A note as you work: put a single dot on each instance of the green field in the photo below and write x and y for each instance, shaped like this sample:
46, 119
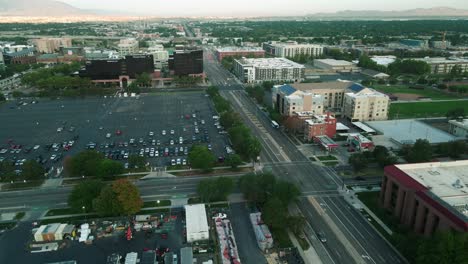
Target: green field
424, 109
403, 89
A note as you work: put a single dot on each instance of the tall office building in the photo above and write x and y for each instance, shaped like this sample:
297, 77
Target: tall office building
186, 62
291, 48
128, 46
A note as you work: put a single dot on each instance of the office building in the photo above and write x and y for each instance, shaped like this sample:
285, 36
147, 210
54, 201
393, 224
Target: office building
268, 69
128, 46
428, 197
336, 65
365, 104
160, 56
291, 49
238, 52
51, 45
320, 125
444, 66
459, 127
197, 223
441, 44
2, 61
185, 62
415, 43
288, 100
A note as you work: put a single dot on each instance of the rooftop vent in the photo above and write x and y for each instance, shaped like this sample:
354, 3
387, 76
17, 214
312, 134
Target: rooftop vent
457, 184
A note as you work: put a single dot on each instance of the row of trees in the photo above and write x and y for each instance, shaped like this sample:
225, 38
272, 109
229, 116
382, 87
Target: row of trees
215, 189
244, 143
121, 197
30, 171
92, 163
380, 155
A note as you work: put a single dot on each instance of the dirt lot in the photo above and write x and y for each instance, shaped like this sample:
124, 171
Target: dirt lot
406, 97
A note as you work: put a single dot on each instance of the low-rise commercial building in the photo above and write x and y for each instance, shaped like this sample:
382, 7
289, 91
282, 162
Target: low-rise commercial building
291, 49
459, 128
375, 74
235, 51
365, 104
320, 125
444, 65
359, 142
197, 223
336, 65
415, 43
428, 197
268, 69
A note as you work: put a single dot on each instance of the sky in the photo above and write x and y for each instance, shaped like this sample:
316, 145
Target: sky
256, 7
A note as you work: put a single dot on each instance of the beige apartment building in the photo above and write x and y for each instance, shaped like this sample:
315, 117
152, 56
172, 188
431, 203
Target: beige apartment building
51, 45
366, 105
128, 46
331, 92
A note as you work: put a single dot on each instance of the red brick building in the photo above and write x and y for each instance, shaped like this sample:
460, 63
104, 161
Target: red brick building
428, 197
320, 125
224, 52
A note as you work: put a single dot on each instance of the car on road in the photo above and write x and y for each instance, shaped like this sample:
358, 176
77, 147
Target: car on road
321, 236
151, 133
181, 140
163, 132
108, 135
60, 129
203, 122
172, 132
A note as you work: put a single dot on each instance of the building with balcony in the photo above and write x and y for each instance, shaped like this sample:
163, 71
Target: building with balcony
268, 69
428, 197
288, 100
365, 104
291, 49
459, 127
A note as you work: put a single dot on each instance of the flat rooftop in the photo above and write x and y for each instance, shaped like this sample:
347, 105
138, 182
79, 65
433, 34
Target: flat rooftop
333, 62
196, 218
407, 131
239, 49
446, 180
270, 63
460, 123
443, 60
339, 85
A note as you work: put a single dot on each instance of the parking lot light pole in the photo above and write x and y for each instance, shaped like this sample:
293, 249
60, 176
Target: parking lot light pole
84, 211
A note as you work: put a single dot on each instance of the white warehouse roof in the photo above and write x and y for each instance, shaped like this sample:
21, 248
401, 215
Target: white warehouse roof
196, 218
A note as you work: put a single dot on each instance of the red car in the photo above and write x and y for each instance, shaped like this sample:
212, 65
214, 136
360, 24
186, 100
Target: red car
118, 132
164, 235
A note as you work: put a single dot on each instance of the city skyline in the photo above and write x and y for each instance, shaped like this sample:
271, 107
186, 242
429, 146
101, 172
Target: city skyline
257, 8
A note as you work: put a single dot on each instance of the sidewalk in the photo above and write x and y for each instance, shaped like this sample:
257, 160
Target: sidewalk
310, 255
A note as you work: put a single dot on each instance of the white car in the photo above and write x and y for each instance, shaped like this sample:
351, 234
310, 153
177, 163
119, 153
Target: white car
59, 129
219, 216
179, 162
151, 133
53, 157
172, 132
181, 140
172, 142
163, 132
184, 162
36, 147
108, 135
203, 122
173, 162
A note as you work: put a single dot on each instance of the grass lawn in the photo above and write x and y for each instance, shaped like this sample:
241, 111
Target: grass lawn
327, 158
156, 204
404, 89
331, 163
19, 215
424, 109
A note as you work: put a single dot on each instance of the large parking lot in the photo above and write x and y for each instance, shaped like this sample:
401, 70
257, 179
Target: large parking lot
163, 127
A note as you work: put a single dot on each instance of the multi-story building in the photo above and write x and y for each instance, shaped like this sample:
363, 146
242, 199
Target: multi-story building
185, 62
428, 197
289, 100
51, 45
23, 56
415, 43
291, 49
365, 104
443, 65
320, 125
331, 92
128, 46
459, 127
268, 69
2, 61
160, 56
336, 65
441, 44
224, 52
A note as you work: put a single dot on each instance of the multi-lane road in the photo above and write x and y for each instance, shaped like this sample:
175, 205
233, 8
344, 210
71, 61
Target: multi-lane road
350, 238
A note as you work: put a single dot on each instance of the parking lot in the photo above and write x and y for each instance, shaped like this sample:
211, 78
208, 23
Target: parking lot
161, 127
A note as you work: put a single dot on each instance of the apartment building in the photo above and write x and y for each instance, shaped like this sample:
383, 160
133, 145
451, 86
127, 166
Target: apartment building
331, 92
365, 104
51, 45
128, 46
443, 65
289, 100
268, 69
2, 61
291, 48
428, 197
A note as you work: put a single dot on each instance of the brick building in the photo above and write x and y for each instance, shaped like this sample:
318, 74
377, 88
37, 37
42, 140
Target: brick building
224, 52
428, 197
320, 125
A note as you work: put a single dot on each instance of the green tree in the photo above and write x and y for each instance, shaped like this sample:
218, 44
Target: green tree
358, 161
83, 195
421, 151
453, 149
233, 160
296, 223
201, 158
85, 163
135, 161
143, 79
7, 171
107, 204
443, 248
128, 196
456, 71
230, 119
383, 156
408, 67
32, 171
273, 213
286, 192
216, 189
133, 88
109, 168
456, 113
2, 97
212, 91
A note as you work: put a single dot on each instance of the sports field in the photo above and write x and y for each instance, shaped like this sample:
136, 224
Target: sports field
424, 109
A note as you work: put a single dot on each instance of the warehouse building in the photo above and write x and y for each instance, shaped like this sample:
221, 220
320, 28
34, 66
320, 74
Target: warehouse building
197, 223
268, 69
336, 65
428, 197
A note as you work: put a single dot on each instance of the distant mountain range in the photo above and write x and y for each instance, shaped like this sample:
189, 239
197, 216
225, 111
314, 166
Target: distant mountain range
411, 13
38, 8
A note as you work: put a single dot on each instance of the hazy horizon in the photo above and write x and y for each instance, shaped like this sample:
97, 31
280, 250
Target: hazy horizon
256, 8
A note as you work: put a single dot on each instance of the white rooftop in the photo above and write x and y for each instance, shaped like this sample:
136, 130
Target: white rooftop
447, 180
235, 48
443, 60
383, 60
270, 63
461, 123
367, 92
341, 126
333, 62
196, 218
